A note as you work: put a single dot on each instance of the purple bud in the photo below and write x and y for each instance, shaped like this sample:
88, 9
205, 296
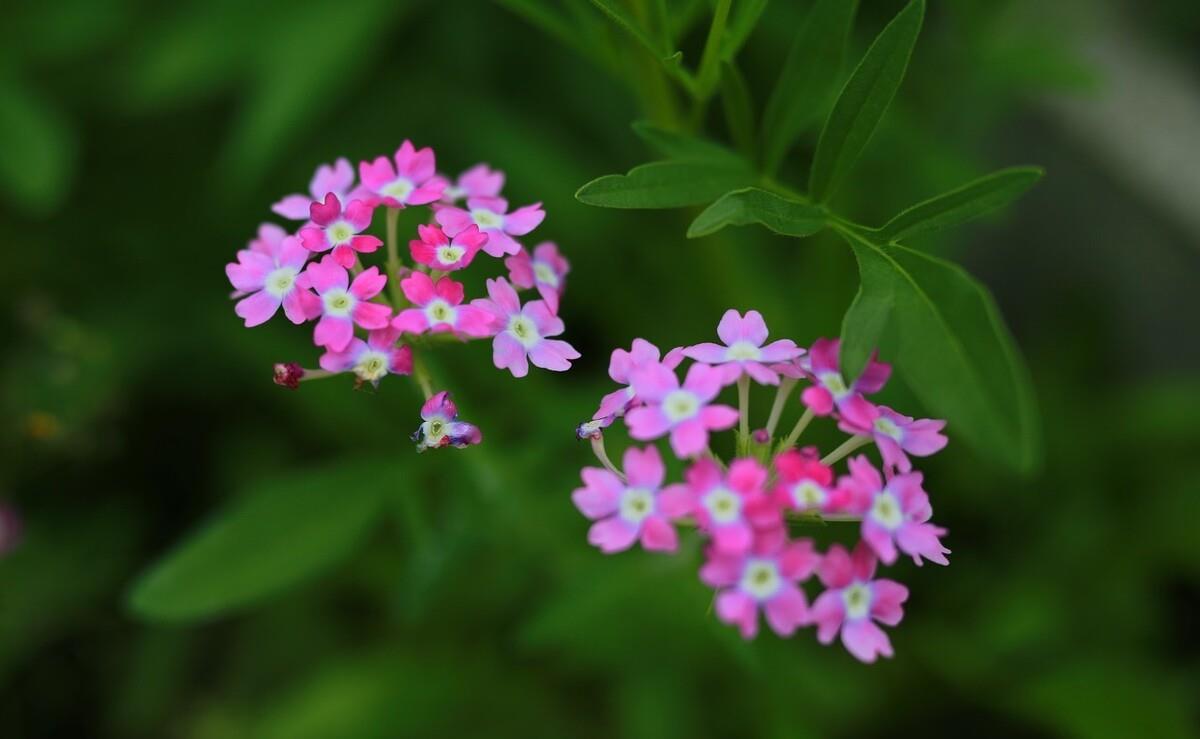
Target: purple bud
288, 374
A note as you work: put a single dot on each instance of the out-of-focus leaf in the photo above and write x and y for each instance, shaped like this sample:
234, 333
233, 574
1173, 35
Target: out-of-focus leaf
743, 207
620, 16
739, 108
666, 185
39, 156
808, 77
282, 532
972, 200
863, 101
684, 147
743, 17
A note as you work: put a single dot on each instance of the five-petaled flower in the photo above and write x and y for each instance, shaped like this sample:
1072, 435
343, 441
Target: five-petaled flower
373, 359
854, 601
345, 304
620, 368
895, 434
634, 509
480, 181
766, 578
829, 389
491, 215
522, 332
804, 484
270, 274
685, 411
731, 507
406, 179
438, 250
440, 426
439, 308
340, 230
744, 352
336, 178
546, 270
895, 514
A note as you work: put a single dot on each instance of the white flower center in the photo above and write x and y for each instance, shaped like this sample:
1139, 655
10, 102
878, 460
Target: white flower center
808, 494
439, 311
545, 274
449, 254
886, 427
680, 405
433, 431
486, 219
743, 350
453, 192
279, 281
338, 302
371, 366
636, 504
523, 330
886, 511
834, 383
723, 505
761, 579
857, 600
339, 233
399, 189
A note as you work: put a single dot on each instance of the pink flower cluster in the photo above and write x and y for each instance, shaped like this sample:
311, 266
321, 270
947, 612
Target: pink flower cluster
748, 509
374, 321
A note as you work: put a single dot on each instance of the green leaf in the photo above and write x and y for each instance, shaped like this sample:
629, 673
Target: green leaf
963, 204
752, 205
670, 184
39, 158
620, 16
808, 77
742, 20
863, 101
684, 147
279, 534
739, 109
953, 349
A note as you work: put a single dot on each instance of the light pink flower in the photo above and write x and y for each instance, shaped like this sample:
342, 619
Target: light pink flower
744, 352
620, 368
829, 389
344, 304
896, 435
410, 181
683, 411
854, 601
479, 181
804, 484
438, 250
546, 270
441, 427
336, 178
522, 332
270, 274
895, 514
439, 308
373, 359
630, 511
492, 217
764, 578
732, 507
333, 228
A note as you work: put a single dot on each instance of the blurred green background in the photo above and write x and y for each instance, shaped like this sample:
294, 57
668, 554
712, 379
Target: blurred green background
142, 143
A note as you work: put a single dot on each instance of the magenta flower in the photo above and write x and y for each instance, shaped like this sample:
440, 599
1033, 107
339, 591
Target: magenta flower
620, 367
854, 601
684, 411
894, 434
732, 507
830, 389
437, 250
439, 308
441, 427
333, 228
766, 578
523, 331
345, 304
10, 528
373, 359
336, 178
492, 217
545, 270
804, 484
895, 514
270, 274
634, 510
410, 181
480, 181
743, 352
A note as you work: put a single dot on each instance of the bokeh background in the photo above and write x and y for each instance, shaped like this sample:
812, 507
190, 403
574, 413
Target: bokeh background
141, 144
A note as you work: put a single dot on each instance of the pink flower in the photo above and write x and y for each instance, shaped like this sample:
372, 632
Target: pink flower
683, 411
437, 250
336, 178
621, 366
804, 484
830, 389
545, 270
372, 359
895, 514
269, 274
743, 352
441, 426
492, 217
894, 433
344, 304
854, 602
479, 181
341, 231
729, 506
523, 331
439, 308
410, 182
630, 511
765, 578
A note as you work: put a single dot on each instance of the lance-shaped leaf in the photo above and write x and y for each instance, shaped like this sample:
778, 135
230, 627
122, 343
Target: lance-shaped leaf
863, 101
963, 204
684, 147
742, 20
672, 184
782, 215
738, 107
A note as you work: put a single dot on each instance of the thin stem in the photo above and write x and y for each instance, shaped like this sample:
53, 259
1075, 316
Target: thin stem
743, 389
849, 445
786, 385
393, 259
706, 76
316, 374
602, 455
798, 429
421, 376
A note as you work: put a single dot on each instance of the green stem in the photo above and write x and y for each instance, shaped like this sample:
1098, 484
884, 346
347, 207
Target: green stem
743, 389
393, 259
798, 429
849, 445
706, 77
786, 385
602, 455
421, 376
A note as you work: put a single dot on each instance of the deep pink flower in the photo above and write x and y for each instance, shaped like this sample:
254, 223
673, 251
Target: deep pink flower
336, 178
479, 181
765, 578
729, 506
854, 601
493, 218
895, 514
804, 484
288, 374
344, 304
829, 389
410, 181
372, 359
546, 270
633, 510
439, 308
743, 352
333, 228
523, 331
441, 427
620, 368
438, 250
270, 274
894, 434
684, 411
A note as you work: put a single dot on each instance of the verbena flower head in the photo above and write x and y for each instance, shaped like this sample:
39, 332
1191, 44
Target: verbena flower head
630, 509
405, 179
546, 270
829, 389
480, 181
440, 426
437, 250
340, 229
492, 217
855, 603
439, 308
745, 351
270, 274
336, 178
686, 411
523, 331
